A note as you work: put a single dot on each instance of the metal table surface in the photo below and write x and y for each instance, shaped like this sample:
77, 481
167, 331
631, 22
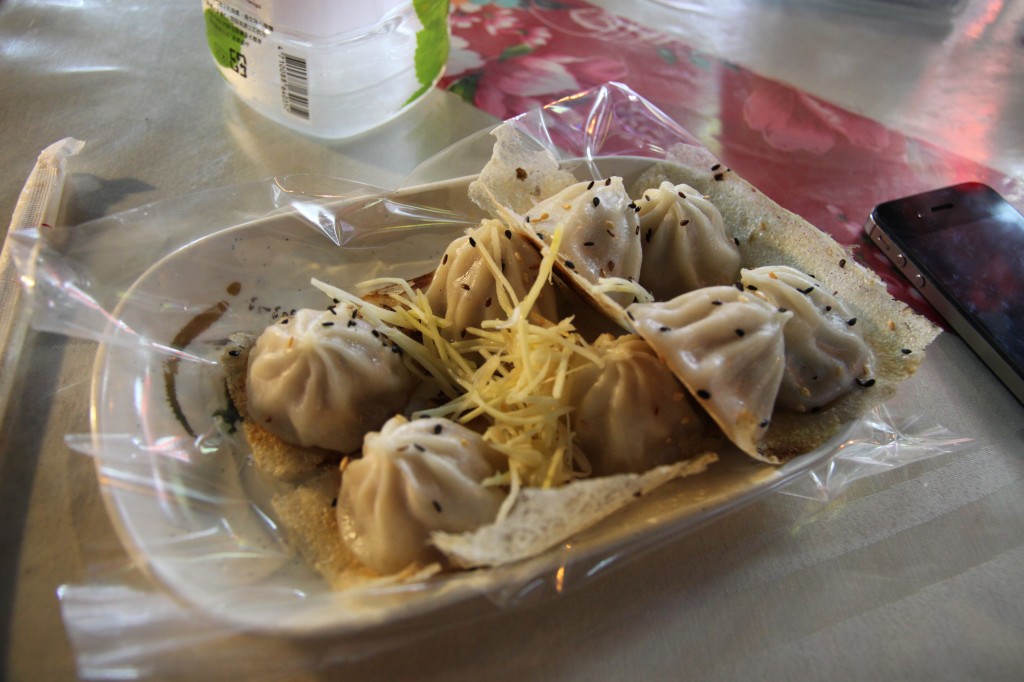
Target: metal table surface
910, 574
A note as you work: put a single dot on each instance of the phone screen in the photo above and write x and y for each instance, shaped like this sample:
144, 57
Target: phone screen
968, 242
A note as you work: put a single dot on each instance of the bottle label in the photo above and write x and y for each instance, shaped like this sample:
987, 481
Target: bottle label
231, 33
367, 74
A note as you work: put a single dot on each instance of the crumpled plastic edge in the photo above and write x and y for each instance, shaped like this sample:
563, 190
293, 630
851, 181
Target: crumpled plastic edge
37, 208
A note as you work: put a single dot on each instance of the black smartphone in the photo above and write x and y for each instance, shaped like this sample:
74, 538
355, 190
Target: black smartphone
962, 247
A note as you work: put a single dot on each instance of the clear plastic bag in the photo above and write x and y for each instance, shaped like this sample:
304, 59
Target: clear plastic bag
160, 287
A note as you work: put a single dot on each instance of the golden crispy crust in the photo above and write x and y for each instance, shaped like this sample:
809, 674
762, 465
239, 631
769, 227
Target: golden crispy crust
307, 512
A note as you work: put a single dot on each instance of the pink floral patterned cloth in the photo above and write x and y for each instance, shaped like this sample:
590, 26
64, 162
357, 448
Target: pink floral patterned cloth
825, 163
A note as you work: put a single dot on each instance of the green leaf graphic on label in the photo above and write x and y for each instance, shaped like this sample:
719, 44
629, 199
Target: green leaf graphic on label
431, 43
225, 38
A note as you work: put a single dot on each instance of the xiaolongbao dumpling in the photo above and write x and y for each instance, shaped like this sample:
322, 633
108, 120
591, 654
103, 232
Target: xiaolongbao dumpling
825, 351
686, 244
415, 477
325, 378
601, 235
726, 346
465, 291
631, 413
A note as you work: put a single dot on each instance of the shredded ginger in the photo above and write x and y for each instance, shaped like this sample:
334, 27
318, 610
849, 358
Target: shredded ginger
511, 374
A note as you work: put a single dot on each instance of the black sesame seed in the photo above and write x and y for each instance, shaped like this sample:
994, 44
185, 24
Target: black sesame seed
591, 185
569, 264
607, 182
396, 349
630, 316
472, 242
740, 333
445, 259
611, 266
716, 303
284, 321
782, 310
719, 177
333, 309
807, 290
375, 333
751, 287
828, 309
527, 218
716, 166
681, 195
487, 303
327, 324
334, 502
437, 429
866, 384
597, 201
437, 506
465, 286
664, 329
703, 394
906, 351
462, 334
351, 323
508, 234
234, 353
588, 243
419, 447
736, 241
764, 423
650, 233
842, 262
739, 286
852, 321
638, 229
684, 223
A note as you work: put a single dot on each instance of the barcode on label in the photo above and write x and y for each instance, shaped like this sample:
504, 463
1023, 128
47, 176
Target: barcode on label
295, 85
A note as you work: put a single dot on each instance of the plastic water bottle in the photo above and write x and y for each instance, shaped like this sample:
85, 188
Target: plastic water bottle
329, 68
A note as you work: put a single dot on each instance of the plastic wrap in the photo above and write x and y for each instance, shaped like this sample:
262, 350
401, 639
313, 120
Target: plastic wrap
159, 288
37, 209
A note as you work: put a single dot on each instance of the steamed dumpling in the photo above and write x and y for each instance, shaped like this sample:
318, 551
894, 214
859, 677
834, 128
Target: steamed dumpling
464, 290
601, 234
632, 414
415, 477
726, 346
825, 351
325, 378
686, 244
